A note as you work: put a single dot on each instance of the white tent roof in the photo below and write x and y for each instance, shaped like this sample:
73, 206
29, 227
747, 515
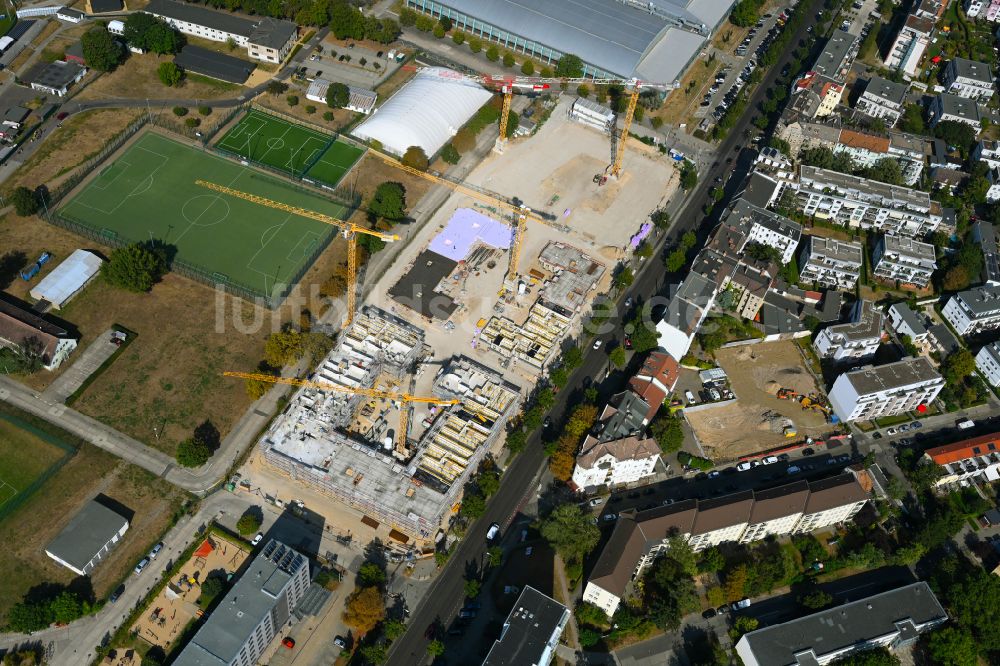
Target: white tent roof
426, 112
68, 278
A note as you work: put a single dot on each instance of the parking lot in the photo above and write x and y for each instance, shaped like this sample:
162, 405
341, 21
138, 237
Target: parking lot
739, 66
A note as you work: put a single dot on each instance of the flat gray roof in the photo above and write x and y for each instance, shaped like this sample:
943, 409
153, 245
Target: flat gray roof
528, 629
982, 300
612, 36
909, 317
909, 247
58, 74
865, 324
909, 371
759, 189
244, 607
893, 193
888, 90
272, 33
970, 69
768, 219
86, 534
953, 105
182, 11
835, 249
214, 64
834, 56
905, 610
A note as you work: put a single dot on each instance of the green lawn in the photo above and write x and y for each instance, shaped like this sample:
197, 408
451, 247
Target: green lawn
24, 456
331, 167
149, 192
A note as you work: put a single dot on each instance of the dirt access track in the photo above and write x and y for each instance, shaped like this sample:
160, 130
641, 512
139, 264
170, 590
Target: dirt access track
754, 423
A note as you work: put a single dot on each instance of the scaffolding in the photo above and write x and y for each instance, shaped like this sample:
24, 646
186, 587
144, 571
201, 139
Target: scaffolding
532, 341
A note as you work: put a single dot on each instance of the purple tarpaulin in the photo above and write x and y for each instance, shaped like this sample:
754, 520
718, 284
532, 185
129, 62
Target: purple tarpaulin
641, 236
466, 227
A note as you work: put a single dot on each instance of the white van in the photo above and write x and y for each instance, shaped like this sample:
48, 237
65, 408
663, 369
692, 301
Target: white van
965, 424
492, 533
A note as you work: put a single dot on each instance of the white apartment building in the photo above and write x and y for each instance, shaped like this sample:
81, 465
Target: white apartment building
829, 262
531, 633
862, 203
593, 114
886, 390
952, 107
639, 537
767, 228
256, 609
988, 362
882, 99
905, 321
909, 46
973, 8
617, 462
686, 310
974, 310
856, 340
903, 259
985, 236
987, 151
265, 38
890, 619
969, 79
993, 193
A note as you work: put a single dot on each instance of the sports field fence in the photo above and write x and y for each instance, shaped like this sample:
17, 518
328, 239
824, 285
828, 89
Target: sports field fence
293, 120
25, 493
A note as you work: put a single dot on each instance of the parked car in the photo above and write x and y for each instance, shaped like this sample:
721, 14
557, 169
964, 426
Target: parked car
597, 344
116, 594
142, 565
742, 603
467, 614
794, 470
708, 614
808, 452
916, 424
155, 551
744, 466
257, 539
904, 428
770, 460
492, 533
594, 502
608, 517
890, 431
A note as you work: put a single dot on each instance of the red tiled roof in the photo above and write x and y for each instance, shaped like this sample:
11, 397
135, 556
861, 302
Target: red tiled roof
949, 453
869, 142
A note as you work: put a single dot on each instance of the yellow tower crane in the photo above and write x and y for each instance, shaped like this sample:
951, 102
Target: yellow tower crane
350, 230
403, 398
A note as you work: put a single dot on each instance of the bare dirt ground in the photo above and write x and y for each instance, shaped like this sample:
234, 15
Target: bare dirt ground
753, 423
177, 604
683, 102
169, 380
81, 137
28, 530
137, 78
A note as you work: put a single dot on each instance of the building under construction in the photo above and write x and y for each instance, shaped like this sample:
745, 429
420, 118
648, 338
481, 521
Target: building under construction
573, 275
413, 498
531, 342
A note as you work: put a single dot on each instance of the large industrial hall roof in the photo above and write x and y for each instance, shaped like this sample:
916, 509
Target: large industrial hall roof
613, 36
426, 112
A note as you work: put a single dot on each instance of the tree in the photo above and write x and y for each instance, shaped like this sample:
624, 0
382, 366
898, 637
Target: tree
489, 483
370, 574
473, 506
66, 607
364, 609
210, 589
149, 33
292, 100
592, 614
886, 170
192, 453
347, 22
528, 68
475, 44
660, 218
415, 158
273, 87
689, 176
388, 202
745, 14
283, 347
644, 338
583, 90
951, 646
449, 154
508, 59
435, 648
374, 653
955, 278
249, 522
393, 629
101, 51
617, 357
956, 134
958, 365
170, 74
569, 67
472, 587
494, 556
570, 532
623, 278
736, 582
135, 267
676, 260
27, 617
877, 657
337, 95
23, 359
711, 560
667, 431
458, 37
439, 31
25, 201
816, 599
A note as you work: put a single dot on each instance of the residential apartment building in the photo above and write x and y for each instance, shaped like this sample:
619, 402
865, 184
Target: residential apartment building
686, 310
749, 285
266, 39
868, 204
882, 99
886, 390
255, 610
23, 328
987, 151
830, 262
531, 633
993, 193
904, 260
905, 321
767, 228
974, 310
866, 149
977, 459
909, 46
890, 619
988, 363
985, 236
969, 79
856, 340
816, 96
835, 61
952, 107
620, 461
639, 537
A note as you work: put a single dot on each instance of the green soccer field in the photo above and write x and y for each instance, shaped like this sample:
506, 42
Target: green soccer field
294, 149
149, 192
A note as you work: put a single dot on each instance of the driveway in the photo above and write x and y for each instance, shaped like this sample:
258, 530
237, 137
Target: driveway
86, 364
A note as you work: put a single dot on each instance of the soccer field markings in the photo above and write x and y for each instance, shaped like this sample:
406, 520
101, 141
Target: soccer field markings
125, 164
7, 492
164, 160
238, 131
